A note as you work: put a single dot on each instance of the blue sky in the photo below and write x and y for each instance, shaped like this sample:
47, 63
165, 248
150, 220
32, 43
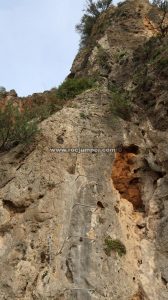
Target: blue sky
38, 43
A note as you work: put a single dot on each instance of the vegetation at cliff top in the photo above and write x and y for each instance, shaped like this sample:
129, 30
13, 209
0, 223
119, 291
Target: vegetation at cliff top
72, 87
92, 12
95, 8
163, 5
2, 92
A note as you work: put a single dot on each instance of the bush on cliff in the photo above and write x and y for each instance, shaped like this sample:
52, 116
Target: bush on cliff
120, 104
72, 87
92, 11
163, 6
114, 245
2, 92
15, 127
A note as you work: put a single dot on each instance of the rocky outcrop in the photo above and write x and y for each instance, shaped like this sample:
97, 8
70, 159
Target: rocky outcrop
119, 31
75, 199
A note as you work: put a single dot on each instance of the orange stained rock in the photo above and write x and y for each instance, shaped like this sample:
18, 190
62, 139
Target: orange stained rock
124, 178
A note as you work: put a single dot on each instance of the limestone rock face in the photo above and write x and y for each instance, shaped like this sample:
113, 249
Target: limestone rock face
83, 211
58, 208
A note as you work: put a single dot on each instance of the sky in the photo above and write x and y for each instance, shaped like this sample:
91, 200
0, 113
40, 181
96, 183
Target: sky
38, 43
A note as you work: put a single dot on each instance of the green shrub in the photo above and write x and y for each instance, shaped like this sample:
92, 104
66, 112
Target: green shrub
92, 12
72, 87
163, 6
121, 55
83, 115
120, 104
2, 92
44, 107
85, 28
103, 59
163, 63
114, 245
162, 66
41, 112
15, 127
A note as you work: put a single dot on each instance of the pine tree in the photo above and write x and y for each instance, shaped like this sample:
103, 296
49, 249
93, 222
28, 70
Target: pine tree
92, 11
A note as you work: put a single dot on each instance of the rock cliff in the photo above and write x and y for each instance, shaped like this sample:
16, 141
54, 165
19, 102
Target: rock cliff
93, 225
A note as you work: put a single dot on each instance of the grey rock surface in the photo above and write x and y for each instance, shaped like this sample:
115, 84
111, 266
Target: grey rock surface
67, 231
